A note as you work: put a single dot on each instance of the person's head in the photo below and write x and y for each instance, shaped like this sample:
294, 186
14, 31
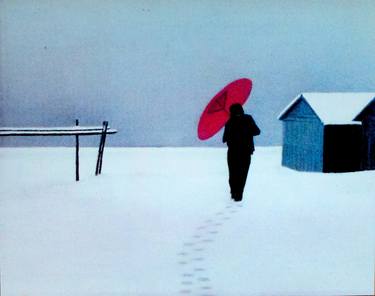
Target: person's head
236, 110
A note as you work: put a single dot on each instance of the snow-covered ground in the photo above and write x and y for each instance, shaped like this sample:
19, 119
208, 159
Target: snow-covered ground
159, 221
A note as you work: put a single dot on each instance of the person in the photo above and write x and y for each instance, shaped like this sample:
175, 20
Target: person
238, 134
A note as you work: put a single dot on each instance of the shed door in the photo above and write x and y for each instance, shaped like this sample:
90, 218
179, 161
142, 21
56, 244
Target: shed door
342, 148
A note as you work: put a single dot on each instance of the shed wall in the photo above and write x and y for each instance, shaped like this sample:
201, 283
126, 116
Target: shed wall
302, 138
301, 109
303, 144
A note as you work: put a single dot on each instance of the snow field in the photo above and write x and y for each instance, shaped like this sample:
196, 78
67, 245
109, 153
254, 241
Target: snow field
158, 221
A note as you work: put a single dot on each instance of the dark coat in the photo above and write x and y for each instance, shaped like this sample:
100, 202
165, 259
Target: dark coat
239, 132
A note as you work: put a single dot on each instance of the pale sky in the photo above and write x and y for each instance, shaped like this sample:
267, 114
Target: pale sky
150, 67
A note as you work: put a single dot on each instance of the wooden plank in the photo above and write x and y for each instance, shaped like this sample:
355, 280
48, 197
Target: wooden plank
56, 133
55, 128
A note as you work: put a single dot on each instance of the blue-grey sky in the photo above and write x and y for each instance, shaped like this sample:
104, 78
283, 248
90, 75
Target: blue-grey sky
150, 67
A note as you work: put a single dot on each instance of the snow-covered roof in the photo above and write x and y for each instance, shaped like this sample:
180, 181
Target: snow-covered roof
334, 107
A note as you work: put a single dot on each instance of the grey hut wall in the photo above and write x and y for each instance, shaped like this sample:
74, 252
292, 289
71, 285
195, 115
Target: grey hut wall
303, 135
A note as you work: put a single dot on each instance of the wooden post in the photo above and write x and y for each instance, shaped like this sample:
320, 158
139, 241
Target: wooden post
97, 162
105, 127
101, 148
77, 154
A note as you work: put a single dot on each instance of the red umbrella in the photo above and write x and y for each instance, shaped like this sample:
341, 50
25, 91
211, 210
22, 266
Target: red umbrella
216, 113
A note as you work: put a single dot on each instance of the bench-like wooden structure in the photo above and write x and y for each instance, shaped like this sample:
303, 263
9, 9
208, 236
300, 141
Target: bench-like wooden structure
66, 131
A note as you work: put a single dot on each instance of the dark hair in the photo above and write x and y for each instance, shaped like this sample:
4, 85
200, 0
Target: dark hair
236, 109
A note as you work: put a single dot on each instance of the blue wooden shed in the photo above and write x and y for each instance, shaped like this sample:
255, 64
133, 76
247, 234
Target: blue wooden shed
319, 133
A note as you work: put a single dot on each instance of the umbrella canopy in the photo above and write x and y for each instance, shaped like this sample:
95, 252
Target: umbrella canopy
216, 113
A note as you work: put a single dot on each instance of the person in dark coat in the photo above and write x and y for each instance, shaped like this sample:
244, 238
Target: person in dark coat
238, 134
